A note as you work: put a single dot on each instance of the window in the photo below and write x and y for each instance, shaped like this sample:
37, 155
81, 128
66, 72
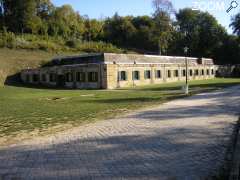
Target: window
158, 74
81, 77
176, 73
69, 77
35, 78
196, 72
52, 77
44, 79
27, 78
212, 72
122, 76
191, 72
147, 74
203, 72
92, 77
184, 73
208, 72
136, 75
169, 74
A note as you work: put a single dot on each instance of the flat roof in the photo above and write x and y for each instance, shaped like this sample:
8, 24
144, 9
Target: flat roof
109, 58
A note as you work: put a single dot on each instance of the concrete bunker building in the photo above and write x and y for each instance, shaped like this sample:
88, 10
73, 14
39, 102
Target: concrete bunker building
111, 71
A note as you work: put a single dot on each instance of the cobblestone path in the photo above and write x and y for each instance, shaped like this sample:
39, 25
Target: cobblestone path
184, 139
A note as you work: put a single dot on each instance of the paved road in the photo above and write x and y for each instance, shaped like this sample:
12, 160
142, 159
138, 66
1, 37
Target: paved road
184, 139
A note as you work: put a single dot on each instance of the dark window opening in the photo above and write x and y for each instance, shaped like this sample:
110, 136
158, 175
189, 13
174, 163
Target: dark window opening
191, 72
212, 72
92, 77
203, 72
184, 73
196, 72
81, 77
136, 75
147, 74
176, 74
208, 72
35, 78
44, 79
122, 75
69, 77
27, 78
158, 74
52, 77
169, 74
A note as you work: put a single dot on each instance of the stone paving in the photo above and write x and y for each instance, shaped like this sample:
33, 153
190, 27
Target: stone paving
184, 139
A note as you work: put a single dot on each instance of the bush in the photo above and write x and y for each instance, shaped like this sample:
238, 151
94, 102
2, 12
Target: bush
73, 43
99, 47
53, 44
7, 39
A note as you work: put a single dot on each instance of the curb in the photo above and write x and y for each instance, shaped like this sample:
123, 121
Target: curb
235, 166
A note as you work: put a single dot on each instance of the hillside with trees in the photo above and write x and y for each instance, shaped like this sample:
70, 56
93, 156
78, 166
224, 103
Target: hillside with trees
40, 25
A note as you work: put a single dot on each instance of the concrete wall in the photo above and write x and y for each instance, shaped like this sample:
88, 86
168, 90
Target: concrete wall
113, 70
60, 76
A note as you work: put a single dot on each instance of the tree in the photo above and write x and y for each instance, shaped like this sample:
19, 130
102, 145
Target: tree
200, 32
163, 6
236, 24
162, 31
93, 29
119, 30
66, 22
143, 39
20, 15
44, 9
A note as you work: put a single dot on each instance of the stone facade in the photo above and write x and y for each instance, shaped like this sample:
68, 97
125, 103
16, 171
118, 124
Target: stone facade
111, 71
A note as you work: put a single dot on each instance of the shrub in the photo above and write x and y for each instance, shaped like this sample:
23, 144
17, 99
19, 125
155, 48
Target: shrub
73, 43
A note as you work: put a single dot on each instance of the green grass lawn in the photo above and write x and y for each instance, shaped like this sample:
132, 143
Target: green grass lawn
29, 109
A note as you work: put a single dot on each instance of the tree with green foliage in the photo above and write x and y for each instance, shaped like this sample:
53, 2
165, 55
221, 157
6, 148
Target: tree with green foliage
236, 24
119, 30
64, 21
93, 29
163, 24
200, 32
144, 36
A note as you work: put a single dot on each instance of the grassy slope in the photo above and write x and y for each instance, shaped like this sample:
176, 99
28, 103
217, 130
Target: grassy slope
26, 109
12, 61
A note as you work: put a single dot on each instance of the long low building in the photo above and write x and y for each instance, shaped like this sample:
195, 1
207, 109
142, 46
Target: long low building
111, 71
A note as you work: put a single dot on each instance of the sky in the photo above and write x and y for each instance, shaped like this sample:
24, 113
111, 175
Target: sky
105, 8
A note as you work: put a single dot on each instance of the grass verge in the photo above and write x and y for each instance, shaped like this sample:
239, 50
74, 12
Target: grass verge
28, 109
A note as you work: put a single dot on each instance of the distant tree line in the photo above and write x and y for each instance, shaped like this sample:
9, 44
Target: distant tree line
165, 32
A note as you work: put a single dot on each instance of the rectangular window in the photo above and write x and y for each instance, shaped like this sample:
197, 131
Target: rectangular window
176, 73
212, 72
203, 72
208, 72
81, 77
169, 74
92, 77
184, 73
35, 78
44, 79
191, 72
147, 74
52, 77
27, 78
158, 74
69, 77
122, 76
136, 75
196, 72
